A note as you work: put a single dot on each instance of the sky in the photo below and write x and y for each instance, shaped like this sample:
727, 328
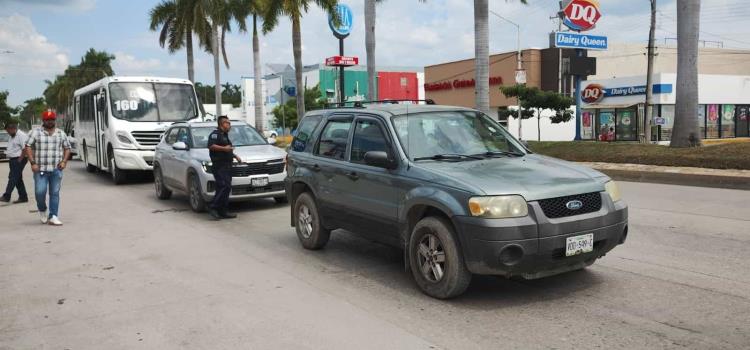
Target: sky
44, 36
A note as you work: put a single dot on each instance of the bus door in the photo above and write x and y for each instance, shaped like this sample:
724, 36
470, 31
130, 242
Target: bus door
100, 126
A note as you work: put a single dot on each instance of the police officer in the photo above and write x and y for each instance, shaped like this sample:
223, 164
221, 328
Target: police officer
222, 152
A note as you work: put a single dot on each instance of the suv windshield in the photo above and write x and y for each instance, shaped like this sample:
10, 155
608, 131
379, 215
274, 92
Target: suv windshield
153, 102
240, 135
439, 135
4, 137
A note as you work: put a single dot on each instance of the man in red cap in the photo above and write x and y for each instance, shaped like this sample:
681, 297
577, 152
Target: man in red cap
48, 150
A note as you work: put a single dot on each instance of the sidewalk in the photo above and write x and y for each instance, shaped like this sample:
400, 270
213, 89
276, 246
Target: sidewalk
704, 177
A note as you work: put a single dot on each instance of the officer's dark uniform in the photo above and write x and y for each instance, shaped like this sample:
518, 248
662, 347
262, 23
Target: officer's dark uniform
222, 170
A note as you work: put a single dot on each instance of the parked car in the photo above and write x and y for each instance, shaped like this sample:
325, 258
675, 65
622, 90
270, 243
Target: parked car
4, 139
452, 188
182, 163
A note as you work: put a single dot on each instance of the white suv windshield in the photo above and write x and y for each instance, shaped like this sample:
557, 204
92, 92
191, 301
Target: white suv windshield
240, 135
425, 135
153, 102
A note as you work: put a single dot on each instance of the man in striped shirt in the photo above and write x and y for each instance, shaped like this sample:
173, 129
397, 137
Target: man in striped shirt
48, 150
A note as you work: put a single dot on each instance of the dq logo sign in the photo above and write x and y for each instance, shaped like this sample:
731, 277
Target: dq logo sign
593, 93
581, 15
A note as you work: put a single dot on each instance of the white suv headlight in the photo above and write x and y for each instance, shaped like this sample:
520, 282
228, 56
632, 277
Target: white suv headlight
497, 207
613, 190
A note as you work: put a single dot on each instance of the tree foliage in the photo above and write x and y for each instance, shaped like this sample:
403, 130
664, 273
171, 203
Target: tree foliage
230, 93
31, 111
286, 114
535, 100
94, 66
6, 112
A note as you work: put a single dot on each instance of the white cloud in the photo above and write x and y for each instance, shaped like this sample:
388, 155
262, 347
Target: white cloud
76, 5
126, 64
32, 53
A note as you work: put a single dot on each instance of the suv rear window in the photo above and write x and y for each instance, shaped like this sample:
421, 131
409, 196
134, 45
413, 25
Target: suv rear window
301, 141
333, 139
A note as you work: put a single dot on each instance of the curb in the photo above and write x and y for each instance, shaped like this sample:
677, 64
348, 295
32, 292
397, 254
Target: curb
714, 178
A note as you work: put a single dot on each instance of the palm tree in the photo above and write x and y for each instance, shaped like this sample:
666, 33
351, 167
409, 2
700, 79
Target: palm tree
482, 54
176, 22
246, 8
685, 131
294, 9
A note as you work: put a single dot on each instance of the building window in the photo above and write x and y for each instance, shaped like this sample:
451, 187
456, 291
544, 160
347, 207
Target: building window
702, 120
712, 122
587, 124
667, 112
627, 125
727, 121
743, 121
605, 125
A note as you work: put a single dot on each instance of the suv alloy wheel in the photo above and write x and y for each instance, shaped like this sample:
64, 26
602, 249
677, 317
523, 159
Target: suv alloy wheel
162, 192
197, 203
437, 263
310, 230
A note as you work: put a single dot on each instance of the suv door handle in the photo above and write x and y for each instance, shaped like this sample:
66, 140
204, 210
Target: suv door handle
316, 167
353, 175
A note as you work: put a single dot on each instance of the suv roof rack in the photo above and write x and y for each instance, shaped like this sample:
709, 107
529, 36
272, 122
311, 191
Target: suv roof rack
361, 104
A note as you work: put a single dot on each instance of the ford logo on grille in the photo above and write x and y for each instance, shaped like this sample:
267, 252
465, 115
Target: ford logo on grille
574, 205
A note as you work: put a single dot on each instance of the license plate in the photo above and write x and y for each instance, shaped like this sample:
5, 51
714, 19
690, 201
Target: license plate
259, 182
579, 244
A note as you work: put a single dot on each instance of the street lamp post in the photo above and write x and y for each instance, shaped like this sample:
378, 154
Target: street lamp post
519, 66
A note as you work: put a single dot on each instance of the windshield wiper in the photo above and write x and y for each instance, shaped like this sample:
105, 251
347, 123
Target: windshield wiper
448, 156
500, 153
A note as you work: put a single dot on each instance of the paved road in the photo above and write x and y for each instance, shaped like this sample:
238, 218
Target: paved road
129, 271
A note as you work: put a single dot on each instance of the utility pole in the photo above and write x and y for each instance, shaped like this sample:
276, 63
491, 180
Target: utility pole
559, 51
649, 72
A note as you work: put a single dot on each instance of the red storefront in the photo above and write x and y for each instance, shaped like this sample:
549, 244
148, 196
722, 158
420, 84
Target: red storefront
397, 85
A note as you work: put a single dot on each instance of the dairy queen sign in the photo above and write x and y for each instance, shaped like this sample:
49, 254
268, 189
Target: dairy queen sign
581, 15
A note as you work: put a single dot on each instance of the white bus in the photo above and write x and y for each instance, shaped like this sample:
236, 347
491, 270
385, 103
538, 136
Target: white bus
119, 120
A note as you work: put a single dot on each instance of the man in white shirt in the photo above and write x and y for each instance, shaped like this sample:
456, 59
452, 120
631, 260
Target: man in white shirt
17, 162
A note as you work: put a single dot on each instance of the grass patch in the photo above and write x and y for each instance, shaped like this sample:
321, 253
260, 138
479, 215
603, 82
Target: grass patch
720, 156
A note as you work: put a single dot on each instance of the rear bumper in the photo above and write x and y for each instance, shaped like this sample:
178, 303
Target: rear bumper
534, 246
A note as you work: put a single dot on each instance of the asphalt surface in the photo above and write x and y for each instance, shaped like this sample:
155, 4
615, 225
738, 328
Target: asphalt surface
128, 271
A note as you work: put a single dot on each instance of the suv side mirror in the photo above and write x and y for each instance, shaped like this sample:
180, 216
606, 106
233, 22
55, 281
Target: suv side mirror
525, 144
379, 159
180, 146
271, 141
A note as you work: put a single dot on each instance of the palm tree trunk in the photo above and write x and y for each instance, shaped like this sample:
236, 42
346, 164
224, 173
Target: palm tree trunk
482, 53
370, 48
190, 62
217, 78
257, 93
685, 131
297, 49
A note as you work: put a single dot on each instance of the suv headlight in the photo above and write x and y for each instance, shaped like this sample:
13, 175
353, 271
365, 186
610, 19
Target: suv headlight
207, 167
613, 190
497, 207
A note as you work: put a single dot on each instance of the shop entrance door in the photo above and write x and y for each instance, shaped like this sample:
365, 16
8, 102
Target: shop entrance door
627, 125
742, 116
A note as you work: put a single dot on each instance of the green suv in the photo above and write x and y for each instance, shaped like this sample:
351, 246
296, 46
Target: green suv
452, 188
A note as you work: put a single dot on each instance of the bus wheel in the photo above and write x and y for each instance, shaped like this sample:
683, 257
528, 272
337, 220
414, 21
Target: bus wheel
118, 175
89, 168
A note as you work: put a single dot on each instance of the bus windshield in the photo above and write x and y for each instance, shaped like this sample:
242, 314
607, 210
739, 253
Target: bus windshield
152, 102
240, 135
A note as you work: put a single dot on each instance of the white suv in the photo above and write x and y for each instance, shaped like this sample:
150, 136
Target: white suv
182, 163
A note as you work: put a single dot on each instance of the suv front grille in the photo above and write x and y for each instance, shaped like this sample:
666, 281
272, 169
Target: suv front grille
147, 138
270, 167
249, 189
557, 207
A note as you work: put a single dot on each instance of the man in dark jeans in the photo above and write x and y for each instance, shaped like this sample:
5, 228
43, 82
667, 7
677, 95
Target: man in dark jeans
17, 162
222, 153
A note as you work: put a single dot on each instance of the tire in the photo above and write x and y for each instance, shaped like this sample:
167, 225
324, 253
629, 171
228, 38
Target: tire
437, 262
89, 168
281, 200
310, 230
195, 193
118, 175
162, 192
